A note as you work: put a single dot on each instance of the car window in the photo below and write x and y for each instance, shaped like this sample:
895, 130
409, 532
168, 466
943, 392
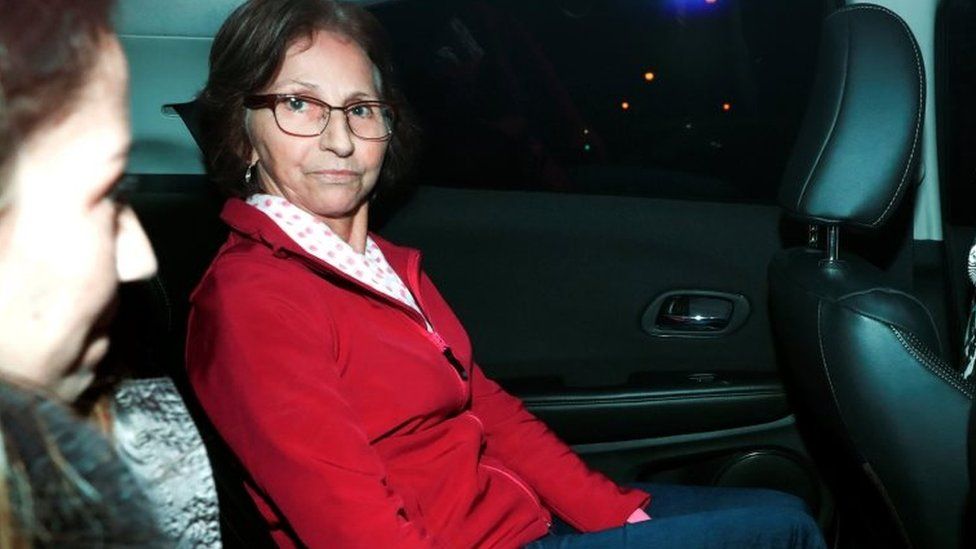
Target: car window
957, 112
664, 98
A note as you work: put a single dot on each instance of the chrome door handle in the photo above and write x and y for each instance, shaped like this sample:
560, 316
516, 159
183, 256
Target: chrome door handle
695, 313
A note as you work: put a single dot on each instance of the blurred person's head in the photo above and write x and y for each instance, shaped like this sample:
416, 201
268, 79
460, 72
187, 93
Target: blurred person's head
318, 49
65, 241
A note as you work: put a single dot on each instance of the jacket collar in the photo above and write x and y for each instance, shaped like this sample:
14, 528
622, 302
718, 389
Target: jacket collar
254, 224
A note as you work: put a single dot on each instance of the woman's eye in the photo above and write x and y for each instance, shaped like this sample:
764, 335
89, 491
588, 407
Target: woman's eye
122, 190
296, 104
361, 111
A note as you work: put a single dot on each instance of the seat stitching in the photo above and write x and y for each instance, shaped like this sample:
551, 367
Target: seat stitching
940, 371
823, 361
969, 387
906, 295
841, 301
932, 361
922, 348
921, 98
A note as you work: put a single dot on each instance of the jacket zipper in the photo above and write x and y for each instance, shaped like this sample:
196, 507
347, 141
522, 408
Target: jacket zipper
413, 281
418, 319
448, 354
413, 275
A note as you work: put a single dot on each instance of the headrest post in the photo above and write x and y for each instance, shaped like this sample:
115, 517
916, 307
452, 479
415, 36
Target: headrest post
833, 243
813, 236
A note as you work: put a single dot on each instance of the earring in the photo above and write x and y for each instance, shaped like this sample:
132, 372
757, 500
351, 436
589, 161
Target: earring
247, 173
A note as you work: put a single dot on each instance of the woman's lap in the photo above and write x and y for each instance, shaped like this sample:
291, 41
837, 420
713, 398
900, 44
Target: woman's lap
704, 517
669, 500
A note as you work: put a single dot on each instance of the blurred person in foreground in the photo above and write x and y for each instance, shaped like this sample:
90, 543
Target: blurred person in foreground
65, 244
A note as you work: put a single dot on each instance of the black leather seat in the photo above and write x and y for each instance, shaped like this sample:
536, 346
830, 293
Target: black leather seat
970, 533
883, 415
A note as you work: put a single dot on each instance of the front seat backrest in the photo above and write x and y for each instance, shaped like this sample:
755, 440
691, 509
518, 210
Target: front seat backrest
884, 417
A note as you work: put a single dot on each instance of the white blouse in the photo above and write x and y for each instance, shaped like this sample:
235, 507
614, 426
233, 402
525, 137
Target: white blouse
316, 238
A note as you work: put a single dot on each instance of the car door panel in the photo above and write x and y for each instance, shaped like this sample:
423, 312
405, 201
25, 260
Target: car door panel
552, 287
658, 408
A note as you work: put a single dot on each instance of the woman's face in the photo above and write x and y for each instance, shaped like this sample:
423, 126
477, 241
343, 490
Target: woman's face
330, 176
64, 241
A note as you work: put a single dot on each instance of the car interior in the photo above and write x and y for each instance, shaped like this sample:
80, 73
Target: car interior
716, 242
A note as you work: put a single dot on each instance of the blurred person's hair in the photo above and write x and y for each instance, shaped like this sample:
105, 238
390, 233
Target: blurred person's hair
47, 52
247, 55
60, 481
63, 485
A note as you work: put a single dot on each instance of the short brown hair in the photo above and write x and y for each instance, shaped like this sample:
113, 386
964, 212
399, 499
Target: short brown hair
47, 53
247, 55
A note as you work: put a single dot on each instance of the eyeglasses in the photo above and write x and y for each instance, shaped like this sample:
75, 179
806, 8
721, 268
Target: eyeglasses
304, 116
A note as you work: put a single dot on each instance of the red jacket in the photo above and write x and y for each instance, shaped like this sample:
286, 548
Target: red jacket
359, 427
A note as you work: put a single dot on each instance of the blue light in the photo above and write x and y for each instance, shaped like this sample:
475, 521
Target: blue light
695, 7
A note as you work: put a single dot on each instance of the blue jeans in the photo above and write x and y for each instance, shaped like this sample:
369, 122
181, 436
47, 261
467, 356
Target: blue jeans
696, 517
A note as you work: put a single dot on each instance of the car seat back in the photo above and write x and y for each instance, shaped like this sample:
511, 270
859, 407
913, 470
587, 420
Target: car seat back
883, 415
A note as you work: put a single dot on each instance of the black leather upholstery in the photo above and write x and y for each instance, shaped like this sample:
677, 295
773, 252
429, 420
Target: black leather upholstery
885, 418
883, 415
970, 533
859, 142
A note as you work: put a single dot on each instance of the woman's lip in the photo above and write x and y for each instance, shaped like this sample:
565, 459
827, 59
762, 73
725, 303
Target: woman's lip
343, 173
336, 177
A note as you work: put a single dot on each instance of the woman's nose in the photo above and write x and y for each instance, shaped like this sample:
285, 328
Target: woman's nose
134, 257
337, 137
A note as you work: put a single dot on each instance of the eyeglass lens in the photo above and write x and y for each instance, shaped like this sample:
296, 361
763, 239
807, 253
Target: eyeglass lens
302, 117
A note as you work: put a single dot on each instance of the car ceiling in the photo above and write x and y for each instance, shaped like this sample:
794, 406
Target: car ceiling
186, 18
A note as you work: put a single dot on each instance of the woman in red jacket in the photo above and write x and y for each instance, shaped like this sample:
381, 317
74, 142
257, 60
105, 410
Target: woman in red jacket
329, 362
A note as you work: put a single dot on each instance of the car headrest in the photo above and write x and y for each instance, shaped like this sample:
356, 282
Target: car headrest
189, 113
859, 145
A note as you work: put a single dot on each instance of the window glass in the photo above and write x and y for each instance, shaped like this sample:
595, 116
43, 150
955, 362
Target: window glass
957, 114
670, 98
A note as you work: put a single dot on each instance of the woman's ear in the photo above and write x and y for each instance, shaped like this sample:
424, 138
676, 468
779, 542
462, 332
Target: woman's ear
253, 157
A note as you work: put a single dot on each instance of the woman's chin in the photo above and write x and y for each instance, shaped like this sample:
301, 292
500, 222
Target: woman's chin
94, 353
73, 383
70, 387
